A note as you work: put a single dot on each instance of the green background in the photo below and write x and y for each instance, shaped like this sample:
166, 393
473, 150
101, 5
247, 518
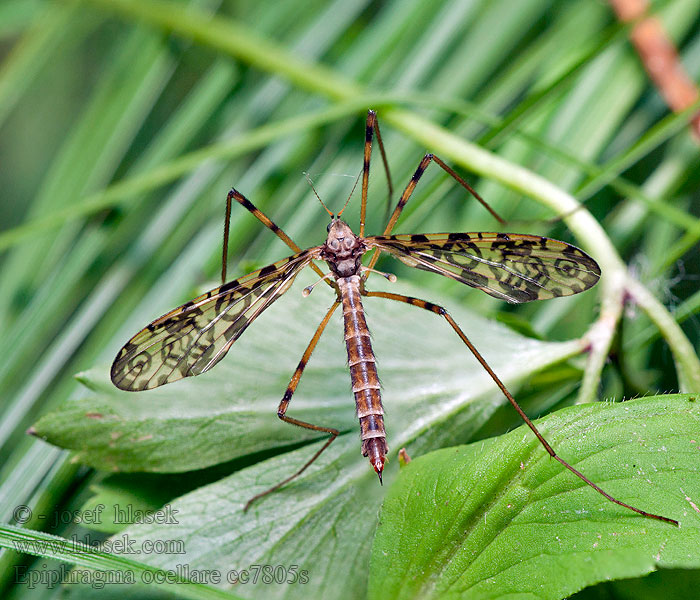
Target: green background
122, 127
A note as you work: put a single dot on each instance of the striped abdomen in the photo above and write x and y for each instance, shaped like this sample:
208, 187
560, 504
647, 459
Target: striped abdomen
363, 373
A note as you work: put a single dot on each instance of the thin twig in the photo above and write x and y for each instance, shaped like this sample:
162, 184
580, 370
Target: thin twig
659, 57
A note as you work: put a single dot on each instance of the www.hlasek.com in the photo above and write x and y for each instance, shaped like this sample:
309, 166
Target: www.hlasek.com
116, 545
182, 574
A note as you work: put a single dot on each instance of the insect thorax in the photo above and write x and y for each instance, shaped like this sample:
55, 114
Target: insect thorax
343, 250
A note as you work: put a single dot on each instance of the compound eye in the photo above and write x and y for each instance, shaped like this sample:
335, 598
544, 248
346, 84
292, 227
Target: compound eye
329, 226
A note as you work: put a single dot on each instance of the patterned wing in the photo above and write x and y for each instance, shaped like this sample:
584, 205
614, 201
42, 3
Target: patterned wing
192, 338
513, 267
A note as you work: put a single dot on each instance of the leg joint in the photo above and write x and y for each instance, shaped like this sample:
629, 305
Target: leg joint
436, 308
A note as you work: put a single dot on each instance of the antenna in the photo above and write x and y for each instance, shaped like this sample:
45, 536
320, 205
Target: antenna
352, 191
311, 183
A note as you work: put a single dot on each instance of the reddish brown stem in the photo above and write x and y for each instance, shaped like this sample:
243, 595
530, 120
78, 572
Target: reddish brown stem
659, 57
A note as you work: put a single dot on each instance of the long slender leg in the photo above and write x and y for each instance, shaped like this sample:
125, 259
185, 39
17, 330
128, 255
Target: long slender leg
284, 404
423, 165
439, 310
247, 204
371, 125
414, 181
386, 169
369, 131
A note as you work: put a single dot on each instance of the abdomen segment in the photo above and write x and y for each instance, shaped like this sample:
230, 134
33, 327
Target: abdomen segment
363, 374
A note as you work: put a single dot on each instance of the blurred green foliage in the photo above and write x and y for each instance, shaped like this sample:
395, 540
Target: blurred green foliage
123, 124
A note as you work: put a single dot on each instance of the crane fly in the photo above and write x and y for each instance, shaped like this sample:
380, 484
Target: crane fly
517, 268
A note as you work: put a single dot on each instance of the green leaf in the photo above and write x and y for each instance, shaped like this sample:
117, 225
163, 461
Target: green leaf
500, 519
156, 227
435, 393
428, 375
118, 500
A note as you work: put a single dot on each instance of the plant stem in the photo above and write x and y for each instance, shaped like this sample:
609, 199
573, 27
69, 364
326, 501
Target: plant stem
687, 363
237, 41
